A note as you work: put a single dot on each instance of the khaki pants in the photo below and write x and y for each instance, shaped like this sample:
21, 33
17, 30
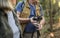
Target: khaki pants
29, 35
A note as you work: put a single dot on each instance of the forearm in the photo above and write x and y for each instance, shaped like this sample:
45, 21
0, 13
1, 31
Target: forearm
42, 22
23, 20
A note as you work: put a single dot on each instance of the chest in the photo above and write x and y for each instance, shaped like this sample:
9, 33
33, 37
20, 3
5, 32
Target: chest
29, 10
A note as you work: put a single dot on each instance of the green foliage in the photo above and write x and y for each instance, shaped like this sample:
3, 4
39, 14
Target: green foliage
19, 0
50, 10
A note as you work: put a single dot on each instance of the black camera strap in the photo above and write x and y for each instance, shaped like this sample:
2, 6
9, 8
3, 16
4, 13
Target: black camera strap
32, 34
38, 34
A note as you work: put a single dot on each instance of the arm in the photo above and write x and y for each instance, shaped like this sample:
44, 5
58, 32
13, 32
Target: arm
19, 8
42, 22
22, 20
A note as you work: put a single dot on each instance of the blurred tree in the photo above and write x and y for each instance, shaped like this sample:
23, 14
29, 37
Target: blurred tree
51, 13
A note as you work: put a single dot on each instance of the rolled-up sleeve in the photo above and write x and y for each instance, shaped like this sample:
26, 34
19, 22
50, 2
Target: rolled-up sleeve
19, 7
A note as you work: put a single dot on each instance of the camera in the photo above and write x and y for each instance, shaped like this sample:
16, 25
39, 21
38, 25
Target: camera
37, 18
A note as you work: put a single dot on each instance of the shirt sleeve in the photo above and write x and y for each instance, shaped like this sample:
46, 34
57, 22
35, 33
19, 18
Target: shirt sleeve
41, 11
19, 7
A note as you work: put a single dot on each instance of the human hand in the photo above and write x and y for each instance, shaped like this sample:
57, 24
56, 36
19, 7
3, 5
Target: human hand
39, 27
32, 21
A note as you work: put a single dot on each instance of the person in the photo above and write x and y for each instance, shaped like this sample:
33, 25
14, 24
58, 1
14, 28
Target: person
26, 11
14, 2
9, 26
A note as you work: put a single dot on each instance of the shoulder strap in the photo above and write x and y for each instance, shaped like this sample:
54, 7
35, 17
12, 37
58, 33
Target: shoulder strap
37, 10
25, 11
22, 5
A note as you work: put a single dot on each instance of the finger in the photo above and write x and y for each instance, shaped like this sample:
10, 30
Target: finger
39, 27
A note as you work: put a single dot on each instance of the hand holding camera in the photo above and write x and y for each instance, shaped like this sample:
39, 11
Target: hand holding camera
35, 20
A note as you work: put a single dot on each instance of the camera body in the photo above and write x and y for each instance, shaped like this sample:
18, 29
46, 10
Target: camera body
37, 18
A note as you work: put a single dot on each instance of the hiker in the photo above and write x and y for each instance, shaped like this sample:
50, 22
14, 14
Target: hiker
26, 11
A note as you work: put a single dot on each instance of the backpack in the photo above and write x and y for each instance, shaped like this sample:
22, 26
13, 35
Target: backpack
26, 13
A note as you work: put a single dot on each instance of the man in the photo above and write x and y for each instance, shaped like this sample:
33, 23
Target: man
25, 13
